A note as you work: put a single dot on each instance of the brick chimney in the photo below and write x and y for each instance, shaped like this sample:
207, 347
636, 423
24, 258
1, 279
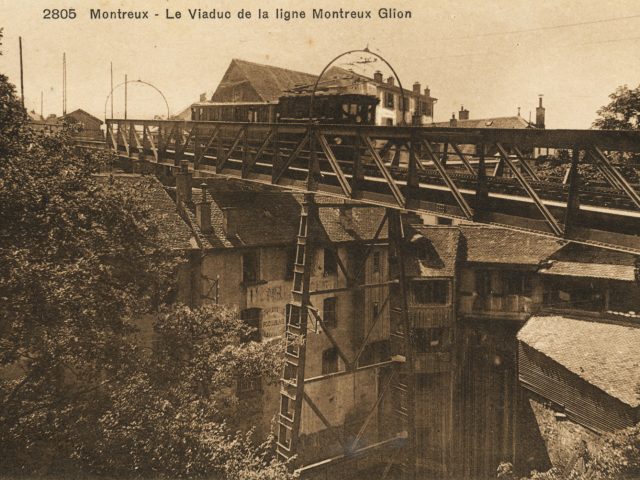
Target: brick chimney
540, 113
230, 221
416, 88
463, 114
427, 92
203, 211
377, 76
390, 81
183, 183
452, 121
203, 97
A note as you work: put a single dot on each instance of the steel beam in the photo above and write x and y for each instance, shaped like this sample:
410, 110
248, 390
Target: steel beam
395, 190
551, 220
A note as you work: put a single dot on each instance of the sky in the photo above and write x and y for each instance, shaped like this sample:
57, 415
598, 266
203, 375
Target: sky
491, 56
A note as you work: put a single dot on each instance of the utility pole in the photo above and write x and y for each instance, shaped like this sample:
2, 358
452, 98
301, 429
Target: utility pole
125, 96
111, 89
64, 83
41, 103
21, 74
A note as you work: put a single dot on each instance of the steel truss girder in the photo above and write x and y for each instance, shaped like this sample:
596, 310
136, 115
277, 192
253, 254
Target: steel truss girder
277, 175
622, 182
462, 203
395, 190
550, 219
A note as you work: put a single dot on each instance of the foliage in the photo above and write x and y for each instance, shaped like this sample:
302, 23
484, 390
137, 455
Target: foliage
80, 264
615, 456
623, 112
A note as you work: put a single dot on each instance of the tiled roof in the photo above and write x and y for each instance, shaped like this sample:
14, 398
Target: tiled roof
605, 355
576, 260
268, 81
173, 232
438, 253
268, 216
497, 122
592, 270
486, 244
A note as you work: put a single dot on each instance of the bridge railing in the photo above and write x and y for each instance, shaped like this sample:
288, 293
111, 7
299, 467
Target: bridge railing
483, 175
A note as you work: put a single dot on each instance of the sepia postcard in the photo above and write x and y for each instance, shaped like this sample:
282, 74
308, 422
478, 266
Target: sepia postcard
319, 239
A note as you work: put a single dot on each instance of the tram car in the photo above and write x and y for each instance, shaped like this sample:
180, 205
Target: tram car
293, 108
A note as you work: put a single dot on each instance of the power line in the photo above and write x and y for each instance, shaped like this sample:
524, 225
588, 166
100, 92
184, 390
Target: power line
537, 29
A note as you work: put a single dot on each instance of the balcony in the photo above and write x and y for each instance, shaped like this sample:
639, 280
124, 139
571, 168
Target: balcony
429, 316
498, 307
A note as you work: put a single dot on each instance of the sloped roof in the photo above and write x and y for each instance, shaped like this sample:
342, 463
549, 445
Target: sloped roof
577, 260
83, 112
269, 216
487, 244
173, 232
495, 122
268, 81
438, 253
604, 354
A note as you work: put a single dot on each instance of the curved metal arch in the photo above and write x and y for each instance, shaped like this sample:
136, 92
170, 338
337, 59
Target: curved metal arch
136, 81
365, 50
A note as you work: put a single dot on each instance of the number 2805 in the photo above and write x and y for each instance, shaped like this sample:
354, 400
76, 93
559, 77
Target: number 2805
59, 13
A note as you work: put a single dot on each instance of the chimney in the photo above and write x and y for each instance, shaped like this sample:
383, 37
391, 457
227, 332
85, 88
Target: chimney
452, 121
203, 97
377, 76
230, 221
416, 88
183, 183
463, 114
203, 211
390, 81
540, 113
427, 92
518, 111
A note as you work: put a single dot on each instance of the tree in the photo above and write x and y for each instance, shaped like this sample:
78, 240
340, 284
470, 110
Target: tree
80, 261
623, 112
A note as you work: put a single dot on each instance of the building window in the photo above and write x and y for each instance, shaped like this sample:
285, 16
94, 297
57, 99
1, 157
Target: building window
329, 361
376, 310
444, 221
389, 100
518, 283
376, 262
430, 339
389, 122
430, 292
291, 260
483, 283
251, 317
330, 262
250, 267
329, 316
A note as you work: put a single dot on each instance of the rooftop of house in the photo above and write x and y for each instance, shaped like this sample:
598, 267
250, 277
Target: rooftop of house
267, 216
438, 251
497, 122
173, 232
268, 81
576, 260
488, 244
604, 354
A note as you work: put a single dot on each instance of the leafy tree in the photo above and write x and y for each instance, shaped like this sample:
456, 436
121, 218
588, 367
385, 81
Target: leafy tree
623, 112
615, 456
80, 262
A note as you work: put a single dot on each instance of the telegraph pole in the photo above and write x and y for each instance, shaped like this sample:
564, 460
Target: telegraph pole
125, 96
111, 89
64, 83
21, 74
